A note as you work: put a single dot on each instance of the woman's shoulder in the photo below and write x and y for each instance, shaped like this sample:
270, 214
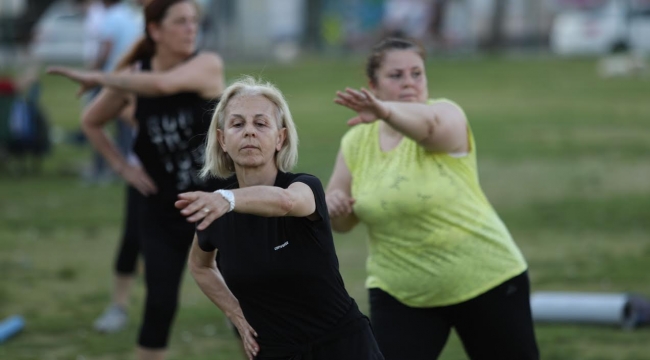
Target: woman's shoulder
450, 104
284, 179
359, 132
208, 57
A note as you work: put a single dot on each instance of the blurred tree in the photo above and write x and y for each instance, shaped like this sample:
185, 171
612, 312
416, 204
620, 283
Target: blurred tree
18, 30
495, 41
313, 36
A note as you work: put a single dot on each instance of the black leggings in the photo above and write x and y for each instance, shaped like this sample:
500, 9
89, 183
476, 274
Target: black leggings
495, 325
166, 241
127, 254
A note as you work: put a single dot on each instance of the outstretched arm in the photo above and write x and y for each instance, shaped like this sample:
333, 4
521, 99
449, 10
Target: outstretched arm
204, 269
202, 74
297, 200
106, 107
438, 127
339, 197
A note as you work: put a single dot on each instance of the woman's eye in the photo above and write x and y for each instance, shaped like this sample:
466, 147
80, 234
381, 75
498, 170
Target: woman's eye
395, 76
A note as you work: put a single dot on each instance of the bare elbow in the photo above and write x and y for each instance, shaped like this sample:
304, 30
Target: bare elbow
430, 132
193, 266
196, 267
163, 86
286, 203
87, 124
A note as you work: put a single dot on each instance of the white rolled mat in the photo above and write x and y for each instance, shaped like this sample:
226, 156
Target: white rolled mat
621, 309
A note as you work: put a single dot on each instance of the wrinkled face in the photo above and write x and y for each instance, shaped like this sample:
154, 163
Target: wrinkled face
177, 31
251, 134
401, 77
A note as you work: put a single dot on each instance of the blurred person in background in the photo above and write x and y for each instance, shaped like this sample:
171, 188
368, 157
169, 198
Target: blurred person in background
277, 277
173, 88
115, 316
111, 28
440, 257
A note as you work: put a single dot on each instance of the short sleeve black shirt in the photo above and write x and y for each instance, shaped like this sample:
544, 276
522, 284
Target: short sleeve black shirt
283, 270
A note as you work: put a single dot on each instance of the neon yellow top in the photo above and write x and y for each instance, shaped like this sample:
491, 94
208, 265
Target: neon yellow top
434, 238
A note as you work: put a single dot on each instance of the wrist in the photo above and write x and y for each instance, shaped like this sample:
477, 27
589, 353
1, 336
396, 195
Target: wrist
99, 78
387, 113
119, 168
229, 196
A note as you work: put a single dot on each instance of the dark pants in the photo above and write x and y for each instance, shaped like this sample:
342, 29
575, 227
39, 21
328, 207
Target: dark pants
495, 325
166, 241
129, 248
352, 342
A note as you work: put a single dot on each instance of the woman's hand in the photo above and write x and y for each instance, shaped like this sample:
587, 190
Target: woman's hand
367, 106
248, 335
87, 79
139, 179
339, 203
199, 205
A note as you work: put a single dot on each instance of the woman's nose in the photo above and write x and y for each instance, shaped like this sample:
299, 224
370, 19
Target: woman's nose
249, 129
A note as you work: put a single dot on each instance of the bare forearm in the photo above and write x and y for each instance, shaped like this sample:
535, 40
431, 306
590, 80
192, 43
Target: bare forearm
142, 84
269, 201
343, 224
104, 146
416, 121
214, 287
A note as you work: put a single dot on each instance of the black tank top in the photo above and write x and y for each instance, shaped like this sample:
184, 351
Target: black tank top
171, 142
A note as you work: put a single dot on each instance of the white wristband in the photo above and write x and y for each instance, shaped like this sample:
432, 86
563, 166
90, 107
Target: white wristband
229, 196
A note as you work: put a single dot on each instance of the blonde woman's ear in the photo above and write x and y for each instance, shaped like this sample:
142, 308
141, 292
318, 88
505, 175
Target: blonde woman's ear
282, 138
221, 140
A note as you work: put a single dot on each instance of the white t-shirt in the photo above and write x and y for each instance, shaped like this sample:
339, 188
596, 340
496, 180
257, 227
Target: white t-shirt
122, 26
92, 27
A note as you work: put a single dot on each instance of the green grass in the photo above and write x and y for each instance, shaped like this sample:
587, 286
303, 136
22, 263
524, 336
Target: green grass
563, 156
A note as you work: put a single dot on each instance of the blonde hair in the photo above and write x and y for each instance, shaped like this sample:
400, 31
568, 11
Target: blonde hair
218, 163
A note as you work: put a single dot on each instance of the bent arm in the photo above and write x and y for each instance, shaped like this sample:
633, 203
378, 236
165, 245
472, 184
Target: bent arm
203, 267
438, 127
202, 74
339, 197
107, 106
105, 48
297, 200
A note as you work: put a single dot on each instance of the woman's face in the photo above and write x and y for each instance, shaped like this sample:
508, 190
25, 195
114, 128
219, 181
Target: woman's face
177, 31
401, 77
251, 134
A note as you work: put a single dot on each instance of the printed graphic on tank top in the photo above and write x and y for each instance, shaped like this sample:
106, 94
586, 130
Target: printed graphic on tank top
171, 141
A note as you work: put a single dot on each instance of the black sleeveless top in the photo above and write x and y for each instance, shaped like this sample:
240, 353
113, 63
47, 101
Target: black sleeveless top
283, 270
171, 142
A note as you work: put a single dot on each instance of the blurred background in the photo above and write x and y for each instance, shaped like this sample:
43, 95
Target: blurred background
557, 93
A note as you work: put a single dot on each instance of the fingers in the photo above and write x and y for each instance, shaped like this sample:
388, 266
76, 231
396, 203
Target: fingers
147, 182
55, 70
140, 180
190, 196
196, 204
181, 204
340, 204
357, 95
248, 340
251, 344
355, 121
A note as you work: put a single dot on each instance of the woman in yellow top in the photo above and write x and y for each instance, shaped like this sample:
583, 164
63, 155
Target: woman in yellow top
440, 256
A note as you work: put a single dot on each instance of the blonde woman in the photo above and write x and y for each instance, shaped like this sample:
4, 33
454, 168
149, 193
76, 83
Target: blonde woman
277, 277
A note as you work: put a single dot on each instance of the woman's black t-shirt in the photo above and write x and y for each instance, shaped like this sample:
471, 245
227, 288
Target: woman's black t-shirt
171, 142
283, 270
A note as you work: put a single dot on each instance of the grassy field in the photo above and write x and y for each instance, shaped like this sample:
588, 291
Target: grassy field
563, 157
